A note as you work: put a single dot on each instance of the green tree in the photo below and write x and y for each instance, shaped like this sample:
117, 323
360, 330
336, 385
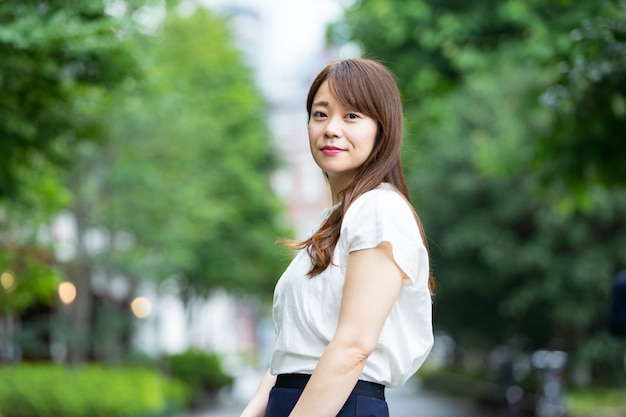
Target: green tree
54, 54
586, 142
180, 192
434, 45
165, 163
192, 154
26, 250
58, 58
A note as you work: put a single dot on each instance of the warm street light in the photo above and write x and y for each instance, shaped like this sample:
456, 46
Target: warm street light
141, 307
67, 292
8, 282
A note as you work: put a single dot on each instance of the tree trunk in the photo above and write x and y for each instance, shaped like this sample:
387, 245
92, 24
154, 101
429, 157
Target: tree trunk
81, 310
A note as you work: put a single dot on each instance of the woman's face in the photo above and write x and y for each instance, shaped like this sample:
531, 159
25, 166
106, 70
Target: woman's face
341, 139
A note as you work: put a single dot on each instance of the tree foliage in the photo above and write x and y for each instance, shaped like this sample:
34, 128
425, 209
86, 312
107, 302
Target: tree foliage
57, 58
164, 174
191, 154
55, 54
178, 196
586, 143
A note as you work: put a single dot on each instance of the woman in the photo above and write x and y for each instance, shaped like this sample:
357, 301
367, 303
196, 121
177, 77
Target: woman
352, 312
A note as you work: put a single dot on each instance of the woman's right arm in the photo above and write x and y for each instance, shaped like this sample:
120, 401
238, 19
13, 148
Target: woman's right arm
257, 405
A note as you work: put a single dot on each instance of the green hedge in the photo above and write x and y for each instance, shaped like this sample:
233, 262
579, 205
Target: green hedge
45, 390
597, 403
202, 371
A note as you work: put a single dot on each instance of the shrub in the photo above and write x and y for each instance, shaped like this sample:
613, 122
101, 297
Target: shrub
45, 390
201, 371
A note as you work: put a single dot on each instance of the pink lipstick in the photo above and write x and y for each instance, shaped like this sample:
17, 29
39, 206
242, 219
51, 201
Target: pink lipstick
331, 150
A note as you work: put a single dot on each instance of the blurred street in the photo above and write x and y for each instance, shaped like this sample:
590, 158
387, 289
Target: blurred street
407, 401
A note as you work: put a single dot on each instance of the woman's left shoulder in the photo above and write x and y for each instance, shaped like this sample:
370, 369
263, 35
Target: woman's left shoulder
383, 199
384, 214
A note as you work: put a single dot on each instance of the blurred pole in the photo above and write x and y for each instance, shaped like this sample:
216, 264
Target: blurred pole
79, 273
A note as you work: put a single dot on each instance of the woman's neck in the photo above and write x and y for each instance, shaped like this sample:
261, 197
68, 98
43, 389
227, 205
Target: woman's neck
337, 185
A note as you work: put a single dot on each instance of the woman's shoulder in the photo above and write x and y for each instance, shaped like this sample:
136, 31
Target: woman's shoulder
384, 197
383, 214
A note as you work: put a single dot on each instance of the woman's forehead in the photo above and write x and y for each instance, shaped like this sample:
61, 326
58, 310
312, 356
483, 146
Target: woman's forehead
343, 93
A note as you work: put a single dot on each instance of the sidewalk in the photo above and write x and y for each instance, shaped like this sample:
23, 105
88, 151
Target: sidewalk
407, 401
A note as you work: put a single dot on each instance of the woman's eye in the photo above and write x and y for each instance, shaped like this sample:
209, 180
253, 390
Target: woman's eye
352, 116
318, 114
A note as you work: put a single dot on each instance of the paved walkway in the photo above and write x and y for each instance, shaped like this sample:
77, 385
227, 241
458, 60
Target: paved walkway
403, 402
407, 402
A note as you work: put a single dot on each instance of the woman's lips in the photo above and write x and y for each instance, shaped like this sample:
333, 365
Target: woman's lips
331, 150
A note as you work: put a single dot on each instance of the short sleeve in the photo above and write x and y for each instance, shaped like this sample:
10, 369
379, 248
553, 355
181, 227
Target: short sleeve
383, 215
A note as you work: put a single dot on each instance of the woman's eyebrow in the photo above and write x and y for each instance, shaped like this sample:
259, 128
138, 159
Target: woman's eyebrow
321, 103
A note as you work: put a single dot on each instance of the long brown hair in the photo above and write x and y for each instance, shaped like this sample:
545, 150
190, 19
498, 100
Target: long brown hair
368, 87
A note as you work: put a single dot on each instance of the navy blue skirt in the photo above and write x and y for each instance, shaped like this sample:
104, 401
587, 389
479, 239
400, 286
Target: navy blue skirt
283, 400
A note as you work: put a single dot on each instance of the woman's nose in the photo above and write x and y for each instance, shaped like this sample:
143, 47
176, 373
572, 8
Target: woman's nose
332, 128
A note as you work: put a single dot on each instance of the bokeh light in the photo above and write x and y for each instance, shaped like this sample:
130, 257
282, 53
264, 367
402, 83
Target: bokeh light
8, 281
141, 307
67, 292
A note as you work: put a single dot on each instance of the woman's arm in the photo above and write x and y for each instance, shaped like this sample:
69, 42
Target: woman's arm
257, 405
372, 284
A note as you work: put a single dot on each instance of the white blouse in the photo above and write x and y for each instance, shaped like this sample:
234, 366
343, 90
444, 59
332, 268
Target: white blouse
306, 310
